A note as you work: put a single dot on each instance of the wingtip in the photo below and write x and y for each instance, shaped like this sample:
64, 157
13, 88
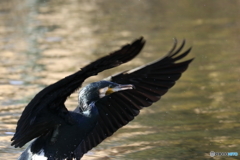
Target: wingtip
171, 51
190, 60
175, 39
140, 40
189, 49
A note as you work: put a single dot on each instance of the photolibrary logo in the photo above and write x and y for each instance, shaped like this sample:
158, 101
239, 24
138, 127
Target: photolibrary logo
212, 153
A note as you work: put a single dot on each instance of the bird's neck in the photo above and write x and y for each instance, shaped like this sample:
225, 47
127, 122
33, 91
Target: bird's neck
88, 110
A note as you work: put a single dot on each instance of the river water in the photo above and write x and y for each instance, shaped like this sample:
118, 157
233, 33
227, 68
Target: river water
42, 41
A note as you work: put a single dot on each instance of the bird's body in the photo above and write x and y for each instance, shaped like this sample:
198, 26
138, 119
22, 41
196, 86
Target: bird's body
68, 136
104, 106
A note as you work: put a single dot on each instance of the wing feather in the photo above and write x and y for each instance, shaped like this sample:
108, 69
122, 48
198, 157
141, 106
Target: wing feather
151, 82
47, 109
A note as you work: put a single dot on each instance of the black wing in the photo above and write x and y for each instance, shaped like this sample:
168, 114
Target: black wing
151, 82
47, 108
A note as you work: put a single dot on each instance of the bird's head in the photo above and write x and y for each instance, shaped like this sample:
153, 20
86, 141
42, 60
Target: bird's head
98, 90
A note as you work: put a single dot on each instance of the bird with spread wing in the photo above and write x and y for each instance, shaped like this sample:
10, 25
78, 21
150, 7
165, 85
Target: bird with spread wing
104, 106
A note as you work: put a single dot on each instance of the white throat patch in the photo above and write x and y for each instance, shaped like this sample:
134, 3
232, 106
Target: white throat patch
102, 92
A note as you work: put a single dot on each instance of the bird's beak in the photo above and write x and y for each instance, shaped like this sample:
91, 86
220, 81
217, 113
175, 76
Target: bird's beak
107, 90
120, 88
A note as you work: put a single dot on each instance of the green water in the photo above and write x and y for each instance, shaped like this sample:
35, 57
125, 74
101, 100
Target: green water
43, 41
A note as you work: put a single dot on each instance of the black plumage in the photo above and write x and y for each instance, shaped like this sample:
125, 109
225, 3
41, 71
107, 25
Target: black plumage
64, 134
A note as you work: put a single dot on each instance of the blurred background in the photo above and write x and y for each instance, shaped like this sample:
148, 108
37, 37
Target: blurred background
42, 41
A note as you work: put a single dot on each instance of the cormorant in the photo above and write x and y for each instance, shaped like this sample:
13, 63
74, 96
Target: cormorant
103, 108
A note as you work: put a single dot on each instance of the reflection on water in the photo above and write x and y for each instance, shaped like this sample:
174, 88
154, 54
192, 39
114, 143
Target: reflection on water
42, 41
